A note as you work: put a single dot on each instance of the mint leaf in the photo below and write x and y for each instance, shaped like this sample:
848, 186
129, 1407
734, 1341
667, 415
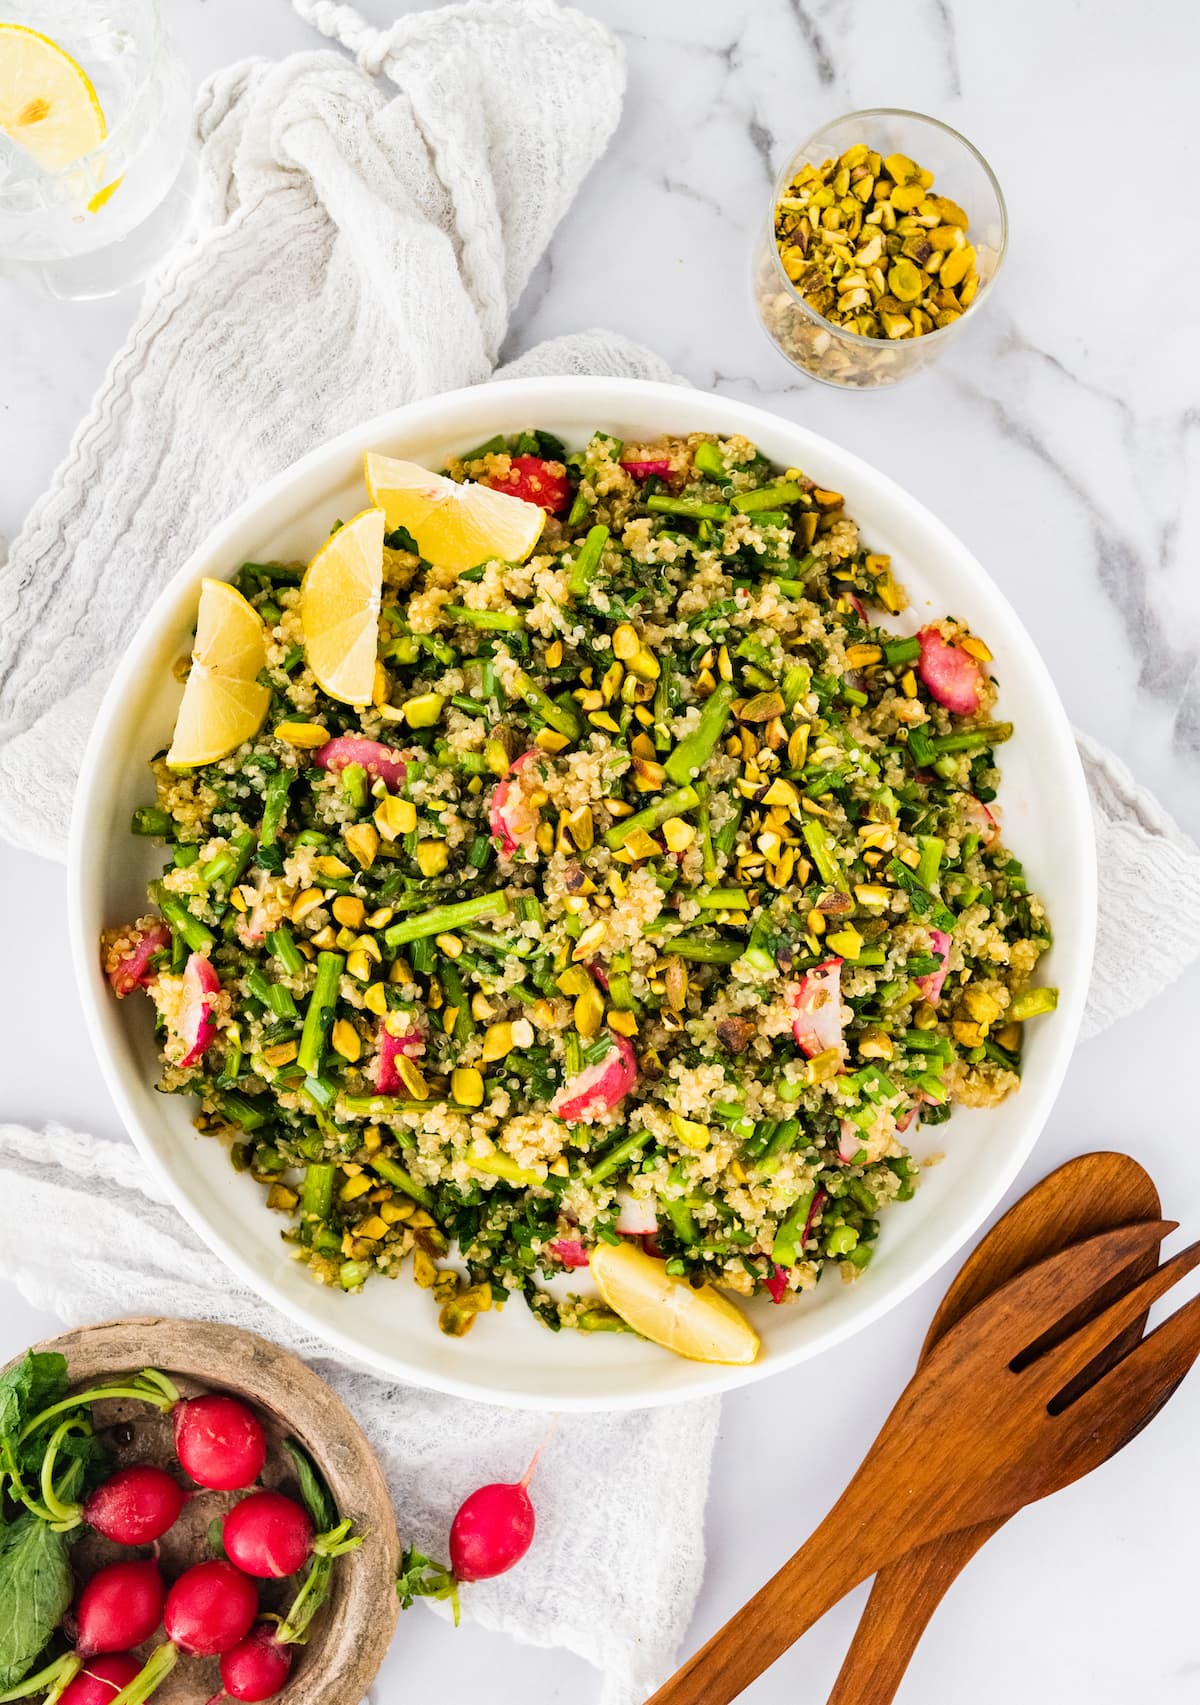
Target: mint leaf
35, 1593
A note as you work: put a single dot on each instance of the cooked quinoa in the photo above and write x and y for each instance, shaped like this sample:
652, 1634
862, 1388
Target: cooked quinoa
659, 893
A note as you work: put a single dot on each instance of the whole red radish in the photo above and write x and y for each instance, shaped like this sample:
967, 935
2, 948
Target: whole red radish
102, 1679
119, 1607
209, 1609
268, 1535
257, 1667
136, 1506
219, 1442
492, 1530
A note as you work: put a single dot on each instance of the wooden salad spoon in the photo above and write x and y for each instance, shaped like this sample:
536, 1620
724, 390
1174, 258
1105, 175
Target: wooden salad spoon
1085, 1196
1000, 1400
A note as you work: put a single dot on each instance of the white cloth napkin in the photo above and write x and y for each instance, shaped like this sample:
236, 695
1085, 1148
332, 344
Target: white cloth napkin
359, 247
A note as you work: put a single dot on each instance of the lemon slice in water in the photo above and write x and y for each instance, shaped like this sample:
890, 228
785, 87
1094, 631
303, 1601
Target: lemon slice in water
47, 100
700, 1324
339, 608
223, 701
455, 526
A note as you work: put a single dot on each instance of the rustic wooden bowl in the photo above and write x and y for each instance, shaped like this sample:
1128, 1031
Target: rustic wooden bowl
353, 1629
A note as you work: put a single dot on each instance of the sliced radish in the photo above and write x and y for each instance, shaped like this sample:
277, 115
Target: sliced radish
952, 675
850, 1142
598, 1089
638, 1216
384, 763
569, 1251
598, 971
930, 984
196, 1024
777, 1283
816, 1002
511, 818
902, 1125
644, 470
982, 819
133, 971
860, 609
391, 1046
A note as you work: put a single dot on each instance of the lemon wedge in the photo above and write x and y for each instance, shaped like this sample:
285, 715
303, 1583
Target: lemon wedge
455, 526
339, 608
223, 701
48, 103
700, 1324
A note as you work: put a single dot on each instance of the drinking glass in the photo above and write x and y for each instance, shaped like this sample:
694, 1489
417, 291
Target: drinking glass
98, 224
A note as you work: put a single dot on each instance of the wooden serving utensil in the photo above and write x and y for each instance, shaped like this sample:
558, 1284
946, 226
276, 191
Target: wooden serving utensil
1085, 1196
1000, 1398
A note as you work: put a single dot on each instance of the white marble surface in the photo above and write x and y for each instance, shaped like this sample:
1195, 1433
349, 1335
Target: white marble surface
1061, 441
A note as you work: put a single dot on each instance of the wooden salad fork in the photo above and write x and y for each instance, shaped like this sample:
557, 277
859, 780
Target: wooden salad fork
1079, 1199
984, 1427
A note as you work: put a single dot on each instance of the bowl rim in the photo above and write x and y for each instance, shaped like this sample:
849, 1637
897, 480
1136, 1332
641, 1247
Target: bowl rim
611, 396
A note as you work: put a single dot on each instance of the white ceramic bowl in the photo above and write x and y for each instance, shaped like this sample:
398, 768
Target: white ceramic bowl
510, 1358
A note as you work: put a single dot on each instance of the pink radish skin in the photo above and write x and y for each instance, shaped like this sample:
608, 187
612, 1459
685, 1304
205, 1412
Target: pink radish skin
492, 1530
903, 1125
219, 1442
816, 1003
136, 1506
134, 971
638, 1216
777, 1283
952, 675
210, 1609
930, 984
850, 1143
598, 1089
511, 818
119, 1607
382, 763
643, 470
268, 1536
387, 1076
257, 1667
569, 1251
102, 1680
197, 1024
982, 819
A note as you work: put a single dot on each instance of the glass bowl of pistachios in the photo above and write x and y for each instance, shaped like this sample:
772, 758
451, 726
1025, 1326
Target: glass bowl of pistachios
886, 233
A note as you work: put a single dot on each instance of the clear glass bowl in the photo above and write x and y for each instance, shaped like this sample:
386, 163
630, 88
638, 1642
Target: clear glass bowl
832, 353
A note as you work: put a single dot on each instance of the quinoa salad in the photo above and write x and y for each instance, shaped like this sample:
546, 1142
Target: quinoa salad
657, 894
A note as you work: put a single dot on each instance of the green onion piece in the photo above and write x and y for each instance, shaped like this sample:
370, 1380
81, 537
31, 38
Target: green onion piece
394, 1173
670, 805
319, 1015
198, 937
692, 753
931, 848
316, 1193
355, 786
787, 1246
900, 651
768, 497
821, 848
562, 719
501, 621
445, 918
615, 1157
687, 506
704, 952
1031, 1003
150, 820
722, 899
707, 460
587, 561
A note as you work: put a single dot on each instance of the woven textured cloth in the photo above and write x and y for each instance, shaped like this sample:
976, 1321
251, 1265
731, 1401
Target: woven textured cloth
363, 235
